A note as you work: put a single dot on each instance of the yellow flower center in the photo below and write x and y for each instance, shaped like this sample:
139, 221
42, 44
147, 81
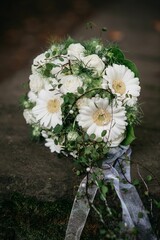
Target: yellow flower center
53, 105
101, 117
119, 86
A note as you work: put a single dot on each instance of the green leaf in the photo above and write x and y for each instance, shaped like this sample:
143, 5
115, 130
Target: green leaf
61, 59
149, 178
116, 53
47, 73
78, 172
157, 203
129, 136
103, 133
49, 66
99, 139
104, 190
47, 55
80, 90
92, 136
105, 150
135, 182
58, 128
88, 150
131, 66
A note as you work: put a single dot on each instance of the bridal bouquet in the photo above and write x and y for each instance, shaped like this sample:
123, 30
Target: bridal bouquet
82, 99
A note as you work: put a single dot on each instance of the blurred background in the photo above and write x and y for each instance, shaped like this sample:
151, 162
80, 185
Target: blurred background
28, 27
26, 30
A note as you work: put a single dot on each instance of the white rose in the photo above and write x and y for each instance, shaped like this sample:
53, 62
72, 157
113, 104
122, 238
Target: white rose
38, 61
75, 51
95, 63
32, 96
70, 83
36, 82
60, 64
29, 117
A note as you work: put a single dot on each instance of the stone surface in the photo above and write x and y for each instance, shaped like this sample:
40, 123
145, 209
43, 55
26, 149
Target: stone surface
29, 167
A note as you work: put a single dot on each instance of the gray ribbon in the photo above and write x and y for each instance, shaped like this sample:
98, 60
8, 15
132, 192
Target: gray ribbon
116, 168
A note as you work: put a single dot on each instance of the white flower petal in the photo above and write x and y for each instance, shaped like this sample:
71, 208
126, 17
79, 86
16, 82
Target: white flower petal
122, 82
100, 115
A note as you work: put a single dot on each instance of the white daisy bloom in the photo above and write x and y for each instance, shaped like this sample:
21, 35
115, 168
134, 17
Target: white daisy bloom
122, 82
75, 51
53, 147
70, 83
29, 117
95, 63
48, 108
99, 115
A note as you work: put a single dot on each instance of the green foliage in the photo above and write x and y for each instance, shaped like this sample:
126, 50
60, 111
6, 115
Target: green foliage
149, 178
131, 66
114, 55
91, 46
136, 182
129, 136
58, 129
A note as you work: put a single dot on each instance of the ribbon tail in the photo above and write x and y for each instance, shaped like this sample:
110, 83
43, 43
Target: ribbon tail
138, 214
112, 175
133, 202
80, 210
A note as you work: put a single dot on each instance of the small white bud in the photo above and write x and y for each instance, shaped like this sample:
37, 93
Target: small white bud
83, 185
88, 169
72, 135
71, 111
125, 224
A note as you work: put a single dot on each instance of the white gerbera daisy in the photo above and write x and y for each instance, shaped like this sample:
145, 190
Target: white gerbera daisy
48, 108
122, 82
50, 142
99, 115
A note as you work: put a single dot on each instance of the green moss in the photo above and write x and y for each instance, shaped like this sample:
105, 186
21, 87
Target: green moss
26, 218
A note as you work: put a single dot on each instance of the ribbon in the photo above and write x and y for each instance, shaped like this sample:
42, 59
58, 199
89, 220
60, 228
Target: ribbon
116, 169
